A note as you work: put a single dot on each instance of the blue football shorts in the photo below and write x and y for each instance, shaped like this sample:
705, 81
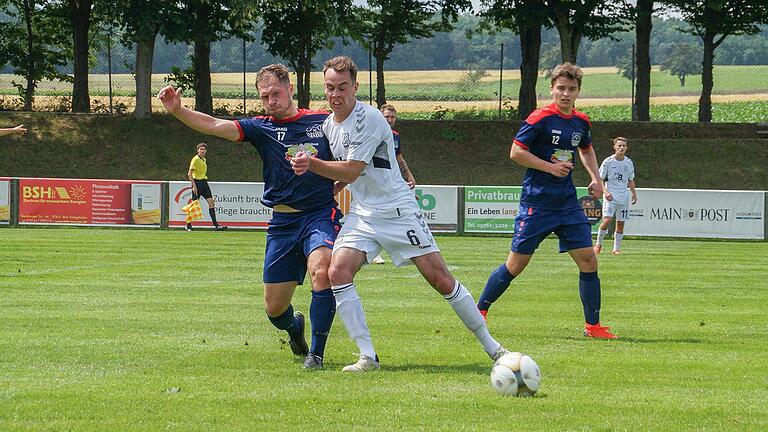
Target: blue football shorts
291, 237
533, 225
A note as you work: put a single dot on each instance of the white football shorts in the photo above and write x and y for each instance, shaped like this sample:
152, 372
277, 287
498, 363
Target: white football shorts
619, 211
403, 237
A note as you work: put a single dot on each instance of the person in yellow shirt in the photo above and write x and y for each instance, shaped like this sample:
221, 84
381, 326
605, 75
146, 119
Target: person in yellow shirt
198, 176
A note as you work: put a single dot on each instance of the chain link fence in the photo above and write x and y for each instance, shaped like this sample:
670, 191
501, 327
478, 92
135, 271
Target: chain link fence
443, 77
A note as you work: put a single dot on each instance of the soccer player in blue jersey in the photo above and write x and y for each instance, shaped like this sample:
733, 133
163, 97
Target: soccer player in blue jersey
305, 216
546, 144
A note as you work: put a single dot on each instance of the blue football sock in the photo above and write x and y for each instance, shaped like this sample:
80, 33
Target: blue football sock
321, 312
589, 291
286, 321
497, 283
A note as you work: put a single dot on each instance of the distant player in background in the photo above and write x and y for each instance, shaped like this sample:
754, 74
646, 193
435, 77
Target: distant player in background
18, 130
390, 113
383, 214
198, 176
305, 217
545, 144
617, 173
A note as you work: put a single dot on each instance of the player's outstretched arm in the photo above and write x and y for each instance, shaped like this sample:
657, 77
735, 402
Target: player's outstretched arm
198, 121
406, 172
529, 160
589, 160
18, 130
345, 171
631, 185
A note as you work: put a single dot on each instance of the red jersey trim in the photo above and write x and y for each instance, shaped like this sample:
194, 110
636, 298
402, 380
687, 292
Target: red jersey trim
240, 129
395, 132
551, 110
302, 112
520, 143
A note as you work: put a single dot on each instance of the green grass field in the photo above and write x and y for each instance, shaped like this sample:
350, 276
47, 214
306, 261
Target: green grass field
105, 329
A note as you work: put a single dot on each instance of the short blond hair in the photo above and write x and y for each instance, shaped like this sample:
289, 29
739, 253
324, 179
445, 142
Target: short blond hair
276, 70
202, 145
341, 64
620, 138
388, 107
566, 70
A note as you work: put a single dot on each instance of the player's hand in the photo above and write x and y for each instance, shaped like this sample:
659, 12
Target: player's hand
171, 99
634, 199
608, 196
20, 129
339, 186
595, 189
561, 168
411, 184
300, 163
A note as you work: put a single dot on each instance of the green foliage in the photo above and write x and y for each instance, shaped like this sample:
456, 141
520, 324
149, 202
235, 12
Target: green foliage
682, 60
182, 79
734, 112
471, 78
108, 329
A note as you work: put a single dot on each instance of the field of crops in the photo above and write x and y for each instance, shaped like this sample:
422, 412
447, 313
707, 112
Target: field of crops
107, 329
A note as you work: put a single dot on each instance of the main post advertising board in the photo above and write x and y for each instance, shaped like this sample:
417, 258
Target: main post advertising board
493, 209
237, 205
697, 213
89, 202
5, 200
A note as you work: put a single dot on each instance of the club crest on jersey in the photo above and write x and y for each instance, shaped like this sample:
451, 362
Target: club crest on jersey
315, 131
575, 139
345, 140
307, 148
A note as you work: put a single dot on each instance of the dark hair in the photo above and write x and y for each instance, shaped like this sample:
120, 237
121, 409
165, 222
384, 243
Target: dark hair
203, 145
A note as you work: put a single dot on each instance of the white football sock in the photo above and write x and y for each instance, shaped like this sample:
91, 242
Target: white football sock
617, 241
350, 308
600, 236
465, 307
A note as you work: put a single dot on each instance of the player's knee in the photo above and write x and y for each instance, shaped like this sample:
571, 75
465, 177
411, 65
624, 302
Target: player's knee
338, 275
273, 307
320, 278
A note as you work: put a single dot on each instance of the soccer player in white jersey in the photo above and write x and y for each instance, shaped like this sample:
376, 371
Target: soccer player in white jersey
617, 173
383, 213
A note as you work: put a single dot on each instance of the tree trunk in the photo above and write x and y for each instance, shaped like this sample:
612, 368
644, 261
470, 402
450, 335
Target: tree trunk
641, 111
381, 91
80, 17
29, 91
202, 63
569, 38
530, 45
705, 101
145, 49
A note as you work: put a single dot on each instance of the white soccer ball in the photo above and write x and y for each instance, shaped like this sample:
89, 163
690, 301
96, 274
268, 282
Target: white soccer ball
515, 374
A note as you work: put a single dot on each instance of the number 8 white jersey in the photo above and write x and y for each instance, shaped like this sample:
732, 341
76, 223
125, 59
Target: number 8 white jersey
365, 136
616, 174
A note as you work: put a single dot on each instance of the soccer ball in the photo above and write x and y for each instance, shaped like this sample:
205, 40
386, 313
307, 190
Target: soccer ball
515, 374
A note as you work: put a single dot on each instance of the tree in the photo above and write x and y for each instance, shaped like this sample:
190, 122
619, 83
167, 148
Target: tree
682, 61
142, 21
594, 19
32, 46
626, 66
296, 31
713, 21
641, 110
384, 24
526, 17
202, 22
80, 22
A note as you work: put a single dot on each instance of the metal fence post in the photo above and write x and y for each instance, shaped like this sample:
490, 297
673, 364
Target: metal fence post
109, 67
14, 202
245, 110
501, 76
370, 76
